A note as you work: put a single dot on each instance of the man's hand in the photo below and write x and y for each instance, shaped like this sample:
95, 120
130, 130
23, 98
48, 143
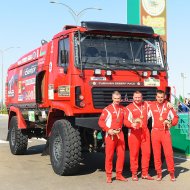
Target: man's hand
138, 120
169, 105
116, 131
111, 132
167, 124
137, 123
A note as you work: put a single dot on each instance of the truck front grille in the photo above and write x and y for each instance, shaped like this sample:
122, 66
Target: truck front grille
103, 96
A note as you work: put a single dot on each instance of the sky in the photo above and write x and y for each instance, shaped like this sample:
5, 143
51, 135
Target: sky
24, 23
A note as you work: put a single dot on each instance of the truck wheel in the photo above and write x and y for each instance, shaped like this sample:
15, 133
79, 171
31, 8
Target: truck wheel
65, 148
18, 141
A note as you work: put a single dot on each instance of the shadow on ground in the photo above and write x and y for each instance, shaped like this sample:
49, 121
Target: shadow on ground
91, 162
37, 149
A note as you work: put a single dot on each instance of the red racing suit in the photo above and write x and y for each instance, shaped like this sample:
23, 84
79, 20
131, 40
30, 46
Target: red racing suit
138, 138
160, 135
112, 118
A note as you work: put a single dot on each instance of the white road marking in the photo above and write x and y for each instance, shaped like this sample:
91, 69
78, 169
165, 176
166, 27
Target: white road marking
30, 140
3, 142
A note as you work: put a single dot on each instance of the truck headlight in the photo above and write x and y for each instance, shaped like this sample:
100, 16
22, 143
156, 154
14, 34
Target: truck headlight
97, 71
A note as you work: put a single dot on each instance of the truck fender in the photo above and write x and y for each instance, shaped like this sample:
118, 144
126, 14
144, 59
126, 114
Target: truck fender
57, 107
66, 108
15, 111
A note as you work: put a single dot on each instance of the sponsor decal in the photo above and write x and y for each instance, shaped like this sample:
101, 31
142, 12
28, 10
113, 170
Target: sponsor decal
11, 93
29, 95
118, 83
42, 52
41, 61
19, 87
30, 70
43, 48
97, 78
20, 98
31, 116
50, 67
32, 56
30, 81
11, 83
64, 91
50, 91
151, 82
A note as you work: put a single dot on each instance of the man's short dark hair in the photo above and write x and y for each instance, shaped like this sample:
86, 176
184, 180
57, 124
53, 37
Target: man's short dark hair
160, 92
137, 92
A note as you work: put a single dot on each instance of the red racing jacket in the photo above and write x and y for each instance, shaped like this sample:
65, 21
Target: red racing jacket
134, 111
112, 117
160, 113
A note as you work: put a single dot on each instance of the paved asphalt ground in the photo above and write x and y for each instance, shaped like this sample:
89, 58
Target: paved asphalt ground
34, 172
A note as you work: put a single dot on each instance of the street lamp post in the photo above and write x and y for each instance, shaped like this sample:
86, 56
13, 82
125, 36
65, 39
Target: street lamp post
183, 77
2, 51
76, 15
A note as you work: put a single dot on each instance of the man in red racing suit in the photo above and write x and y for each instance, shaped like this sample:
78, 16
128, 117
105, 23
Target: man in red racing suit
111, 121
162, 119
136, 119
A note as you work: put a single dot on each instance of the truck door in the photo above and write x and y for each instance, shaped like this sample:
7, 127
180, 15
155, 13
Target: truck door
63, 56
59, 88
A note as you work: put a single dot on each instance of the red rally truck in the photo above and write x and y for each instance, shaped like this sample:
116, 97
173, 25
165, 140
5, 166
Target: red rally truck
58, 90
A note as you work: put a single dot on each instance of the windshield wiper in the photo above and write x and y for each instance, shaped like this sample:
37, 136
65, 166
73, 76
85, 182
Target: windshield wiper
128, 67
106, 67
149, 65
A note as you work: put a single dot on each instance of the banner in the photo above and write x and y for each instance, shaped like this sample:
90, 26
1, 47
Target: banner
149, 13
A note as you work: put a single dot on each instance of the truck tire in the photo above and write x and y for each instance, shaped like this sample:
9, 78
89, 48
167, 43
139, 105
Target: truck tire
18, 141
65, 148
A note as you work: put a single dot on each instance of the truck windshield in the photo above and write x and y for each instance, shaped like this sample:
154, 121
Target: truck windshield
119, 52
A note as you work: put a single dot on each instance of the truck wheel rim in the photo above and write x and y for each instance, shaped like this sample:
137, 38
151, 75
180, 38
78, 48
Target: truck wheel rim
57, 148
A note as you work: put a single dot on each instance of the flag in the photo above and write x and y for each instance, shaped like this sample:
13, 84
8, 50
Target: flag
180, 98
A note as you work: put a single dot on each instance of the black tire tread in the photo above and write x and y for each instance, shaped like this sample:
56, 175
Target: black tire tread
72, 148
21, 140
